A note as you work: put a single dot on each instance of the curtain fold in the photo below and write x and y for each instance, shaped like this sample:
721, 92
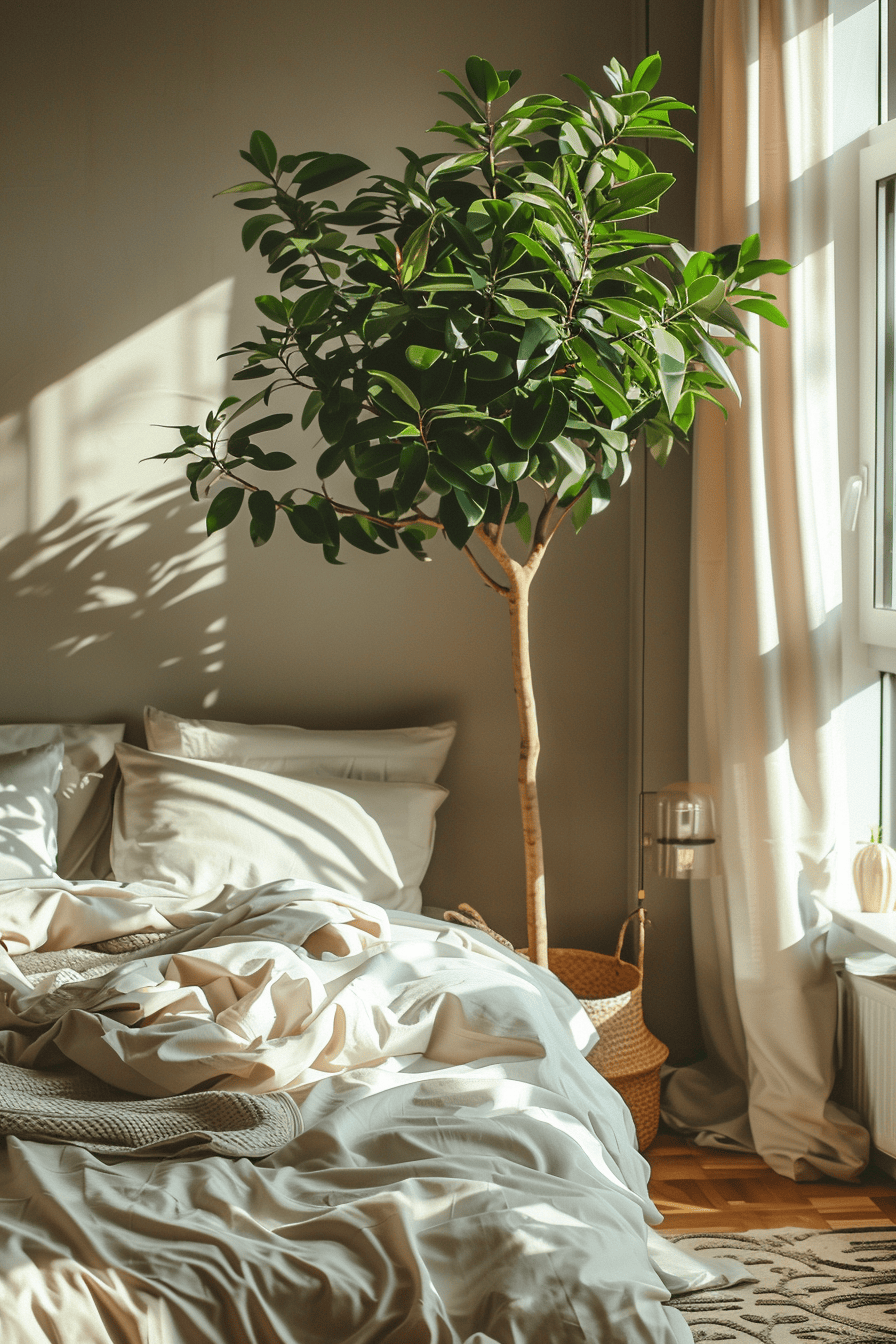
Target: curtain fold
765, 615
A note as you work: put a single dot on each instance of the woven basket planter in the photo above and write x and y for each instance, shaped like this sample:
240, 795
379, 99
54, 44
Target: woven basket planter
609, 990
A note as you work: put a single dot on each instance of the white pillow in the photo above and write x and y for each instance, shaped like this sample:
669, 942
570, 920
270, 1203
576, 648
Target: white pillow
197, 826
84, 795
406, 815
397, 754
28, 812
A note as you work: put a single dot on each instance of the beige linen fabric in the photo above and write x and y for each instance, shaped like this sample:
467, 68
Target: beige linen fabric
765, 604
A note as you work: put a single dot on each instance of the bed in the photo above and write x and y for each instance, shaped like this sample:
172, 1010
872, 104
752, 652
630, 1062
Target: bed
251, 1092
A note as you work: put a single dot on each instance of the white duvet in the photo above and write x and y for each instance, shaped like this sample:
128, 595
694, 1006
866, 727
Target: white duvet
463, 1175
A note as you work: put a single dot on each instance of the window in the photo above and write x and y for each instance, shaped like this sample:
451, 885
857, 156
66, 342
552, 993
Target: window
877, 280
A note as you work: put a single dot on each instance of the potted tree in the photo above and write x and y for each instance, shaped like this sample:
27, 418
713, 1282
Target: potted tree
481, 343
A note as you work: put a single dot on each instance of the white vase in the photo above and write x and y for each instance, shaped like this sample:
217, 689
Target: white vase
874, 874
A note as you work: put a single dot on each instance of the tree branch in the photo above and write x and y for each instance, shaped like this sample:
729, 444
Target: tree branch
540, 537
395, 523
499, 530
486, 578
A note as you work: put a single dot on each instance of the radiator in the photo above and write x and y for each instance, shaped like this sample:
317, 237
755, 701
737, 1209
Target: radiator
868, 1078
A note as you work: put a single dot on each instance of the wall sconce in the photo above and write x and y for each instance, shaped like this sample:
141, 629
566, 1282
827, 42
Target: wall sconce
678, 828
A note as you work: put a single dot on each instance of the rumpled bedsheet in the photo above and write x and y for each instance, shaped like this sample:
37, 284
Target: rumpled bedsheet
463, 1175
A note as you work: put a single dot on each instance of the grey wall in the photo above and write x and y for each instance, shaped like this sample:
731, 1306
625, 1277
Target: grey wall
123, 279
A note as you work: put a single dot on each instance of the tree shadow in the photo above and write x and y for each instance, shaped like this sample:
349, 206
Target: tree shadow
99, 608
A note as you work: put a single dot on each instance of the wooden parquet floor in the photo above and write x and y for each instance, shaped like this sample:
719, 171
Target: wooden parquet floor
706, 1190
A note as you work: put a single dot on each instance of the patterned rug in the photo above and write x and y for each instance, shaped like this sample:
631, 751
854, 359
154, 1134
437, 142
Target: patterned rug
812, 1287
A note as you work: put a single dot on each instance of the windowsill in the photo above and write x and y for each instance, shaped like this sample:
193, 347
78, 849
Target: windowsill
877, 930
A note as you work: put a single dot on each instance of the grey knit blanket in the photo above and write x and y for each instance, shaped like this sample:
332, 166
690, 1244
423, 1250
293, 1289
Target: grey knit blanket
75, 1107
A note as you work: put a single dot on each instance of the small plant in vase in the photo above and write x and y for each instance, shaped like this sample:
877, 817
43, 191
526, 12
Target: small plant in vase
481, 342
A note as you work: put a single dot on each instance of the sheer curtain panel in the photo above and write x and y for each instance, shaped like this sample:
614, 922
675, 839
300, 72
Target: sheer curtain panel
765, 616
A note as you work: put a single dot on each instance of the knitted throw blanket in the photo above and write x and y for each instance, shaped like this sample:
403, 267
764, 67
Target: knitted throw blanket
75, 1107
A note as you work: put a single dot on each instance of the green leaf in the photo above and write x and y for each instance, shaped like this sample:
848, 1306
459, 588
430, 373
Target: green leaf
422, 356
456, 163
659, 441
672, 365
311, 408
594, 500
705, 294
245, 186
263, 426
466, 455
311, 306
535, 334
368, 493
570, 455
414, 252
330, 460
307, 524
641, 191
605, 384
261, 148
180, 451
326, 170
535, 249
397, 386
383, 317
274, 461
327, 515
764, 309
256, 226
264, 516
510, 461
253, 371
648, 72
411, 476
719, 365
461, 101
255, 203
358, 532
483, 79
538, 417
754, 269
273, 308
727, 317
410, 537
522, 521
340, 408
749, 249
376, 461
616, 439
224, 508
458, 528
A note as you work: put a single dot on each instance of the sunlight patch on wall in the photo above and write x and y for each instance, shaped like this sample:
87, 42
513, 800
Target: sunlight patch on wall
104, 559
86, 434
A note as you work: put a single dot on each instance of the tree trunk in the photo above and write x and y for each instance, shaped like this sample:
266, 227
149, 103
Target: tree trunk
518, 600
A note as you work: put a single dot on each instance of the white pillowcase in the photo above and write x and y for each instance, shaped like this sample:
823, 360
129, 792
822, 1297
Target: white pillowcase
29, 779
197, 826
84, 794
396, 754
406, 815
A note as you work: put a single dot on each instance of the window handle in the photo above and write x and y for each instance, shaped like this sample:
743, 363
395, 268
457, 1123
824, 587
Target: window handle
853, 491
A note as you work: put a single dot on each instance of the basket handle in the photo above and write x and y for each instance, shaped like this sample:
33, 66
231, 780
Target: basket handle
640, 916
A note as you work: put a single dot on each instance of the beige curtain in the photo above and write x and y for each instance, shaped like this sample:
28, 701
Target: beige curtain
765, 612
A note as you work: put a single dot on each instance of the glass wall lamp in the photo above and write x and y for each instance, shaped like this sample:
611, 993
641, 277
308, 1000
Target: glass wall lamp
678, 831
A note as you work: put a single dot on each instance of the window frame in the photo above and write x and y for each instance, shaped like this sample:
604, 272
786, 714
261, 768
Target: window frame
877, 625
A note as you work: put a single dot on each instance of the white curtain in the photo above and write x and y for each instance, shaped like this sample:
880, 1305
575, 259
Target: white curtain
765, 615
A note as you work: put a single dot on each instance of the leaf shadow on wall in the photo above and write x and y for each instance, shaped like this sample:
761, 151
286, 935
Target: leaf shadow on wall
106, 609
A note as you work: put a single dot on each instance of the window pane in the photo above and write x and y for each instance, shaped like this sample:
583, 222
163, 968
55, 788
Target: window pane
884, 586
